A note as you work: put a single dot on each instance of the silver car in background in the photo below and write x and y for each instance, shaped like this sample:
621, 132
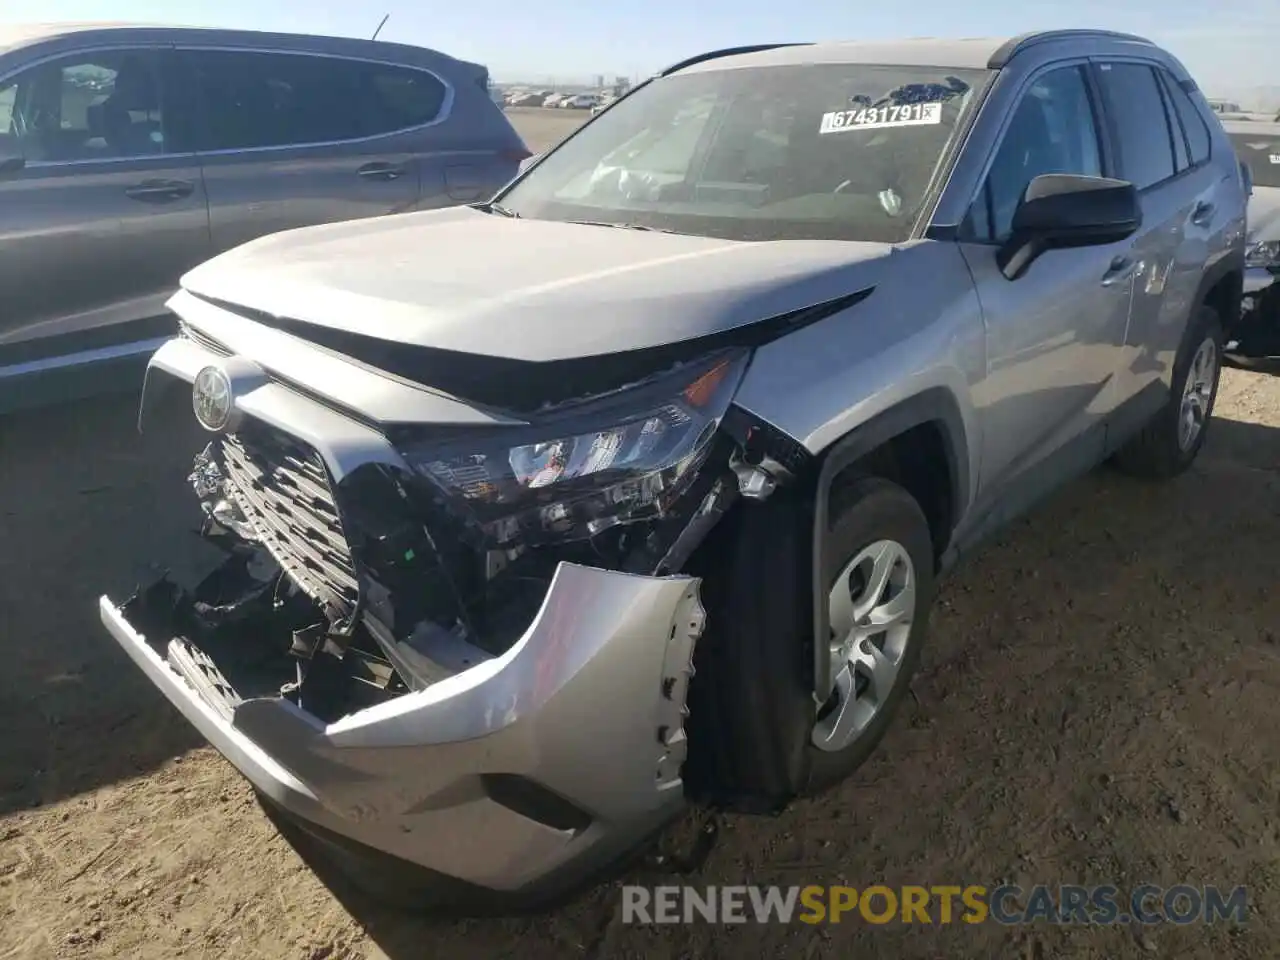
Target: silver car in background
129, 154
1258, 147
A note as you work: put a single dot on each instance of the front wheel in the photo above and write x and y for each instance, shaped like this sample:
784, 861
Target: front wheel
1172, 440
879, 591
757, 738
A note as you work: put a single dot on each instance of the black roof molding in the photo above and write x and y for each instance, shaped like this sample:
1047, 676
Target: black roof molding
728, 52
1017, 44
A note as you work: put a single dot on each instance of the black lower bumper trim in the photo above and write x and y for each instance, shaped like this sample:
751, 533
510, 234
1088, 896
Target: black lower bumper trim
340, 861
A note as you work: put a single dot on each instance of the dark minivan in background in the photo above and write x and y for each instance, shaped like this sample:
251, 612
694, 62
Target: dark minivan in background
129, 154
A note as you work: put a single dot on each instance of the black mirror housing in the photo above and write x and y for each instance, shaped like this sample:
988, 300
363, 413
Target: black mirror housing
1066, 210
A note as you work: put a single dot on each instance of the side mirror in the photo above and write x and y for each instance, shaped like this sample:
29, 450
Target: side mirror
1065, 210
528, 162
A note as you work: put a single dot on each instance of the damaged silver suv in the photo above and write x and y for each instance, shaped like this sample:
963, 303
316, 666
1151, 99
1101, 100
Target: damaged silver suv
724, 382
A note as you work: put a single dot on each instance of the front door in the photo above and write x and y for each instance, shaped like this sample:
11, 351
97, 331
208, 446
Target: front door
99, 217
1055, 333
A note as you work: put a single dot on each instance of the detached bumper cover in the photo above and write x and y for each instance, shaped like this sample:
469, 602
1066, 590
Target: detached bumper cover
586, 710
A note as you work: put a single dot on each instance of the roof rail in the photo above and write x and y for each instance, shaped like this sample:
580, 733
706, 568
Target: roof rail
1017, 44
728, 52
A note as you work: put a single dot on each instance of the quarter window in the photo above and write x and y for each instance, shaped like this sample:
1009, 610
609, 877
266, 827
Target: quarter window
1190, 119
274, 100
1053, 130
102, 107
1141, 125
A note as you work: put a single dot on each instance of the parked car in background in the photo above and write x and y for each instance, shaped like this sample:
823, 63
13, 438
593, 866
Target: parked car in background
130, 154
541, 518
580, 101
1258, 147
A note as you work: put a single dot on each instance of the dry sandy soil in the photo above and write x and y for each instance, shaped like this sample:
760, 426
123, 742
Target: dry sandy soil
1097, 706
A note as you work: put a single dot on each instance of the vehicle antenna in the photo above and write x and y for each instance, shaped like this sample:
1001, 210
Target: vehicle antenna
381, 24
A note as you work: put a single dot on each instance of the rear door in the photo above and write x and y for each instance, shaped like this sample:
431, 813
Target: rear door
290, 139
104, 214
1179, 221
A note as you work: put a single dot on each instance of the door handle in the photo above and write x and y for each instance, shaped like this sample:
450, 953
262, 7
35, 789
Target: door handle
1121, 269
1203, 213
379, 170
160, 191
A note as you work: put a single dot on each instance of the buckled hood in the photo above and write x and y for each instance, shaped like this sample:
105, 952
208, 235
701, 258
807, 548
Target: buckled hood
478, 283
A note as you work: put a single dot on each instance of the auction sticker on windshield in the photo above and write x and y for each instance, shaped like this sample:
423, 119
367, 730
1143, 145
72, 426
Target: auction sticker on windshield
877, 118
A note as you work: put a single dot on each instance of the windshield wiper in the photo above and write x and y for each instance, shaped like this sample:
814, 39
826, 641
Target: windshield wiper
499, 209
620, 226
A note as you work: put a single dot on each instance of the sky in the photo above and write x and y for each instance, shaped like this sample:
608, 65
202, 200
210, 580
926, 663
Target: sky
577, 39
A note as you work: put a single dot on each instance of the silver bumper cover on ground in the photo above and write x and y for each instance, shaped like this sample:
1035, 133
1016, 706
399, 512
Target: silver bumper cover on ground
588, 706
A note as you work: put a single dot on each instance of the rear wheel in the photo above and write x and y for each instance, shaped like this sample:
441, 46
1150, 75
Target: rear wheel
1172, 440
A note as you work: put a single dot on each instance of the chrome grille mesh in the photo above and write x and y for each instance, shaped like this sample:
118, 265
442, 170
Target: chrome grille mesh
283, 490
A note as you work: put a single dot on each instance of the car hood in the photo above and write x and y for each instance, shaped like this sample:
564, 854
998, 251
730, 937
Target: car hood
1264, 214
465, 281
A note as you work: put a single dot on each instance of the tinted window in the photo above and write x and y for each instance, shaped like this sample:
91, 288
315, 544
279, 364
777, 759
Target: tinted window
1193, 123
271, 100
1180, 161
1053, 130
1261, 153
1139, 120
103, 106
818, 151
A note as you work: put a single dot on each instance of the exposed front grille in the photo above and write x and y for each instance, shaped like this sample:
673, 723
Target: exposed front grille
283, 490
203, 339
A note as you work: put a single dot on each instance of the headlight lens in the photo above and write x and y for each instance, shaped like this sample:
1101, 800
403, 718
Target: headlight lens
1265, 253
617, 459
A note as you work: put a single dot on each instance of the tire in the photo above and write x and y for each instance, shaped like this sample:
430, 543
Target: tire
752, 713
1160, 451
867, 512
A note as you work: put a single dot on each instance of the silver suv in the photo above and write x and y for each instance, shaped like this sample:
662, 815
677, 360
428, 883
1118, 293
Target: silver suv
128, 155
725, 381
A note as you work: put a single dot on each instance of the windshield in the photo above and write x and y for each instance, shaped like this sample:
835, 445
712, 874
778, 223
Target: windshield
814, 151
1261, 153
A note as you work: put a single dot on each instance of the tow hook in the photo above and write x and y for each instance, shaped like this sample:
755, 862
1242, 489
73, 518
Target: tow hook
756, 481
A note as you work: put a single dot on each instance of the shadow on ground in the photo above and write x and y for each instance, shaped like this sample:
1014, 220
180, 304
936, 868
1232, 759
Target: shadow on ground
85, 503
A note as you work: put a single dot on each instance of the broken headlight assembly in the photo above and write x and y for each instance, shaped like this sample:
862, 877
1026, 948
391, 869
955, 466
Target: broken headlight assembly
584, 468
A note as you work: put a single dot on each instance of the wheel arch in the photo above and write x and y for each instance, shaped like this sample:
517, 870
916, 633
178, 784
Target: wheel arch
934, 410
1222, 287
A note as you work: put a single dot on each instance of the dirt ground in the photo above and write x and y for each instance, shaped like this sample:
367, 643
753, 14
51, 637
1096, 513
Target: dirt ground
1096, 706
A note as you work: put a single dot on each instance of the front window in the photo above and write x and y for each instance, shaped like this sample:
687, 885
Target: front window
1260, 152
105, 106
821, 151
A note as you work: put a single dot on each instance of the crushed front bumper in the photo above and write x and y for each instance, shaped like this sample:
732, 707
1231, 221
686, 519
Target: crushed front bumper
517, 778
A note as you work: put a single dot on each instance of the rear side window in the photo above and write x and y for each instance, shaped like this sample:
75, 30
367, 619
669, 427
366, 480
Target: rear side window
1190, 119
253, 100
1140, 122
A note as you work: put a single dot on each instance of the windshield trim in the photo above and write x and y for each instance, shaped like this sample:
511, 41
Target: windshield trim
923, 227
